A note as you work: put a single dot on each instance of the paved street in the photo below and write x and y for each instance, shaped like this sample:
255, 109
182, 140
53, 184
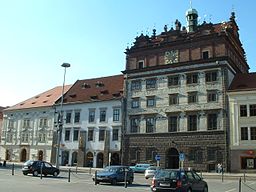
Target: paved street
82, 182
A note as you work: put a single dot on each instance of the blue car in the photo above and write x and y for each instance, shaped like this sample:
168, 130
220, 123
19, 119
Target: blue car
114, 174
140, 167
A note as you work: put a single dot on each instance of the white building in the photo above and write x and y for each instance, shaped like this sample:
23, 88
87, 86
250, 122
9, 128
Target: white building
91, 134
242, 103
28, 127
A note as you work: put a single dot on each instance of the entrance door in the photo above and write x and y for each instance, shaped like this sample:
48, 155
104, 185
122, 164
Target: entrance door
23, 155
74, 158
100, 160
115, 159
89, 159
172, 159
7, 155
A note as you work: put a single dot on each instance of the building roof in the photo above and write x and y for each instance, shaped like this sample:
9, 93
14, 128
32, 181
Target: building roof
44, 99
98, 89
243, 82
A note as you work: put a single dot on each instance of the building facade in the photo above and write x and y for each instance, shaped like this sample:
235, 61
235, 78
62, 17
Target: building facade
91, 133
175, 90
28, 128
242, 102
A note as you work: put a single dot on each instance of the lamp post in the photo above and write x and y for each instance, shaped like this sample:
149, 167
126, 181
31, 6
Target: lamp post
60, 116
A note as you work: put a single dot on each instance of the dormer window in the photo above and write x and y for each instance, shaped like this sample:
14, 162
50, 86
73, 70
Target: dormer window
141, 64
94, 97
85, 85
99, 84
205, 54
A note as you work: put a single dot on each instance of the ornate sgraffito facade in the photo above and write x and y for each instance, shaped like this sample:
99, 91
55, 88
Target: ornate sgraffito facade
175, 90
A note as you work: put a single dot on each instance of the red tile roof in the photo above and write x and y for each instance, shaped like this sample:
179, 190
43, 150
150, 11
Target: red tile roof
98, 89
243, 82
44, 99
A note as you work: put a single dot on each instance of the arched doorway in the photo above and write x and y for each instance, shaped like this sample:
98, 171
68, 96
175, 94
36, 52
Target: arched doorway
40, 155
23, 155
74, 158
172, 159
7, 155
65, 158
89, 160
115, 159
99, 160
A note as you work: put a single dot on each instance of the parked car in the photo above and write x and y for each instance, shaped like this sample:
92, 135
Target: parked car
140, 167
34, 167
114, 174
177, 181
150, 171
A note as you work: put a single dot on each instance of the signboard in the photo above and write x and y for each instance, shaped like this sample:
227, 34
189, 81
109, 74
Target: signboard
157, 157
182, 156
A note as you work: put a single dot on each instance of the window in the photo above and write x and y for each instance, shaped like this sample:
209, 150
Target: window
115, 134
102, 115
77, 117
211, 96
11, 123
211, 76
192, 78
140, 64
150, 153
151, 101
195, 154
24, 137
192, 97
253, 133
192, 122
91, 116
116, 114
75, 135
133, 153
135, 122
135, 102
136, 85
173, 99
101, 134
173, 124
43, 122
243, 111
90, 134
244, 133
151, 83
212, 121
26, 123
42, 137
205, 54
252, 110
173, 80
9, 138
150, 124
211, 153
67, 134
68, 117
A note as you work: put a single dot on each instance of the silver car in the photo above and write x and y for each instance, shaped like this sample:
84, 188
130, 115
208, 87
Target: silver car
150, 172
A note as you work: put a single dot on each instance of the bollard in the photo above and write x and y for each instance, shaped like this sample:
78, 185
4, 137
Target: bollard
222, 176
90, 170
95, 178
125, 179
69, 170
201, 174
41, 171
13, 169
76, 168
239, 185
244, 176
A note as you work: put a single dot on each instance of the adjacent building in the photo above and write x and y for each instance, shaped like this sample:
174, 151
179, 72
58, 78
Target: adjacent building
91, 133
175, 92
242, 114
28, 128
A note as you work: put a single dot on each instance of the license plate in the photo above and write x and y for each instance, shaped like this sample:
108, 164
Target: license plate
164, 184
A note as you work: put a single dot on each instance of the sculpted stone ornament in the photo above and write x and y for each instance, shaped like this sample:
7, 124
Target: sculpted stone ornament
171, 57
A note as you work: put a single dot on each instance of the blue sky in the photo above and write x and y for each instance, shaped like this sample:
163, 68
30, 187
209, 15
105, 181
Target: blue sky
37, 36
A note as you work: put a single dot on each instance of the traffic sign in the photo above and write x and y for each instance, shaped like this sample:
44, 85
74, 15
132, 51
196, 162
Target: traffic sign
182, 156
157, 158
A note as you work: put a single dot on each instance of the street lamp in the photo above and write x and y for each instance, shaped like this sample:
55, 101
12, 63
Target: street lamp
60, 116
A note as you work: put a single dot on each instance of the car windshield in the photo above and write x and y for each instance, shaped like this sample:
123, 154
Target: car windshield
29, 162
167, 174
151, 168
110, 169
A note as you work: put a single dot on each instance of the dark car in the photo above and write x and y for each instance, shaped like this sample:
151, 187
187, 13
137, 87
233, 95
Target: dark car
114, 174
178, 180
34, 167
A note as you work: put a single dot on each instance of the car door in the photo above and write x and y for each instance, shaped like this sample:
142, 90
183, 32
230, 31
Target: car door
199, 182
120, 174
48, 169
193, 181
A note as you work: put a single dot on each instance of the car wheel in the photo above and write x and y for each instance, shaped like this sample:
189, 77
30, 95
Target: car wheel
189, 190
130, 181
113, 182
55, 174
146, 177
205, 189
25, 173
35, 173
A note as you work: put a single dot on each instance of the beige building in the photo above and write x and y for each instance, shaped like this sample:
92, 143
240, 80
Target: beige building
242, 103
28, 128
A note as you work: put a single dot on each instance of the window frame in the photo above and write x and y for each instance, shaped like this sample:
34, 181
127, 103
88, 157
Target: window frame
192, 78
151, 83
